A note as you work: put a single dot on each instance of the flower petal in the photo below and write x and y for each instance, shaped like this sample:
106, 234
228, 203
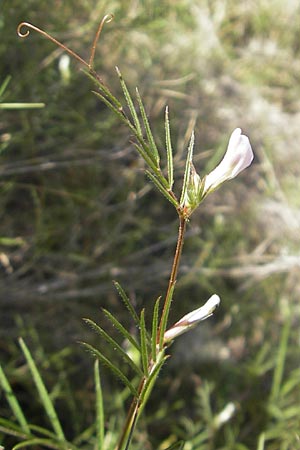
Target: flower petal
239, 156
191, 319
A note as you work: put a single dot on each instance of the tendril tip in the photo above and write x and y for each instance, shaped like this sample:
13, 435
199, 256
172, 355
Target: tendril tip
108, 18
21, 33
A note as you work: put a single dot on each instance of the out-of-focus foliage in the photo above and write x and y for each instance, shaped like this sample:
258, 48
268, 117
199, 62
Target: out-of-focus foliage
77, 211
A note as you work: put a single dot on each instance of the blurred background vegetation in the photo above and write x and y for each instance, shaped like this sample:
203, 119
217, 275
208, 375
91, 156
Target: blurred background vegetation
77, 211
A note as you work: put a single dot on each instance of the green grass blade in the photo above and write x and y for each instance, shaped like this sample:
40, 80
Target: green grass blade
127, 303
149, 134
169, 150
44, 442
130, 104
122, 330
115, 346
42, 431
99, 407
144, 343
177, 446
291, 382
43, 393
280, 361
13, 402
85, 436
22, 105
162, 189
187, 172
114, 369
10, 428
4, 85
261, 442
155, 328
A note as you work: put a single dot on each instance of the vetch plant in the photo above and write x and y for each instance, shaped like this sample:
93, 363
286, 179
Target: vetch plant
152, 344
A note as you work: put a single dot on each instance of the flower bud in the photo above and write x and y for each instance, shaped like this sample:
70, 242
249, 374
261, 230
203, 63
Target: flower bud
194, 191
191, 319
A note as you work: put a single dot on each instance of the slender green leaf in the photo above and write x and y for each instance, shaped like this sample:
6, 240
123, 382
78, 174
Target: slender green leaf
169, 150
112, 103
261, 442
143, 151
43, 431
99, 407
115, 346
144, 343
141, 146
41, 441
85, 436
281, 357
127, 303
43, 393
126, 334
155, 328
12, 242
291, 382
4, 85
177, 446
150, 382
22, 105
114, 369
149, 134
114, 109
130, 104
104, 89
10, 428
187, 172
164, 319
162, 189
147, 155
13, 402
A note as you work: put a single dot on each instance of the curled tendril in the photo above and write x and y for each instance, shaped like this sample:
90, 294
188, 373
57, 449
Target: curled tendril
48, 36
23, 34
22, 25
106, 19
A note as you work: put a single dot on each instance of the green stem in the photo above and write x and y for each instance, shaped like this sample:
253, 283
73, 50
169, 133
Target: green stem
131, 420
137, 401
172, 280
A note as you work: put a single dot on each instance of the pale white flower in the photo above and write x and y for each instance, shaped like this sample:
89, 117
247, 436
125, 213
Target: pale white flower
239, 156
193, 318
225, 415
64, 69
